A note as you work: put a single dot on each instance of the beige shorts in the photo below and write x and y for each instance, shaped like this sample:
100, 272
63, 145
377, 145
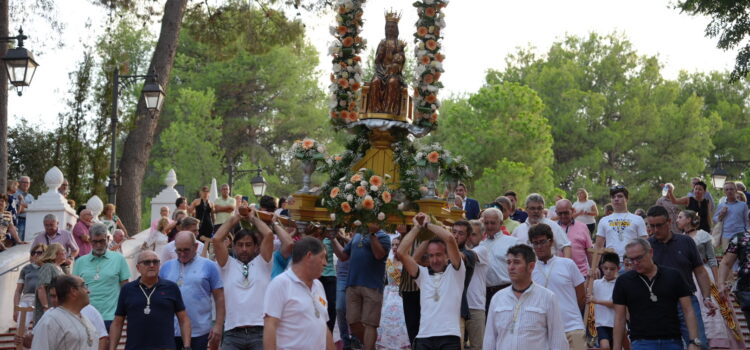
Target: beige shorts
363, 305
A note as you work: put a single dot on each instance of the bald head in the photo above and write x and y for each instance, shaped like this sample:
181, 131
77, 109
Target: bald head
564, 211
185, 246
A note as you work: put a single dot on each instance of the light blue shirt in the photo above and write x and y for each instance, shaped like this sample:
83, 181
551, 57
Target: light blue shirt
280, 263
197, 280
736, 219
27, 198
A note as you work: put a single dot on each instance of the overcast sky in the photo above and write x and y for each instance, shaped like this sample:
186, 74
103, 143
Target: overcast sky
479, 35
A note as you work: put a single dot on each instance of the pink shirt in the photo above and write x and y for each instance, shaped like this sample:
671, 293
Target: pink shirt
580, 241
79, 230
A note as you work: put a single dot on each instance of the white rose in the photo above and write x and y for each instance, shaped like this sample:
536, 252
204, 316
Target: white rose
336, 68
374, 188
348, 187
363, 183
321, 149
333, 217
357, 223
349, 198
362, 169
381, 216
400, 206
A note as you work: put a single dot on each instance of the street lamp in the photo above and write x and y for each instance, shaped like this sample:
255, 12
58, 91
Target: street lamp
258, 182
153, 95
720, 176
19, 62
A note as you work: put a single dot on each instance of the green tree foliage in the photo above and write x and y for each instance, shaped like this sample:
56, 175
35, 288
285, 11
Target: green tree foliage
190, 144
614, 117
516, 144
730, 23
266, 91
29, 153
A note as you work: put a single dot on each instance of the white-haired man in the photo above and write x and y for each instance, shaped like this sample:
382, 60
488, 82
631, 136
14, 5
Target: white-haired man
497, 245
535, 209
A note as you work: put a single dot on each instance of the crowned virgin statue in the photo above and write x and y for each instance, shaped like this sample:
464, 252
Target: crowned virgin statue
387, 83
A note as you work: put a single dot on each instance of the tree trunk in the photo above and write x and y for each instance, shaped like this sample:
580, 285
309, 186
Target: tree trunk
4, 18
138, 143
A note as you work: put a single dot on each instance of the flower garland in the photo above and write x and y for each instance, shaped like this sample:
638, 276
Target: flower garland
456, 169
429, 61
346, 78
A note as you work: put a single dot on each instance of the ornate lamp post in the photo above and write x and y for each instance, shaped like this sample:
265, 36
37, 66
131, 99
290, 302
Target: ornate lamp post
19, 62
153, 94
258, 182
719, 176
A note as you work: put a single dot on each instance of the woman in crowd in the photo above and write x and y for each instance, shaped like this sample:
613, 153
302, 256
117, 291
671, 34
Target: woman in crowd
27, 283
202, 209
172, 228
585, 210
157, 238
8, 233
698, 203
53, 257
716, 330
392, 331
110, 219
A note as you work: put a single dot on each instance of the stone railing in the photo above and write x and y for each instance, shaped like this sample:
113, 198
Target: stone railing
14, 259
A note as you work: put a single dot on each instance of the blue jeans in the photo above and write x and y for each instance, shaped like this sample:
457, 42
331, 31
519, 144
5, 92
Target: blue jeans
743, 298
656, 344
701, 329
341, 311
21, 228
196, 343
250, 338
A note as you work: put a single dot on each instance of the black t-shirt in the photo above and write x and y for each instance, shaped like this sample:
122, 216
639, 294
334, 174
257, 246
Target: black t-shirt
155, 330
648, 319
679, 253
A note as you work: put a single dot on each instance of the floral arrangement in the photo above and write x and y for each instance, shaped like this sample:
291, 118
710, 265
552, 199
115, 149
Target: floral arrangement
308, 149
433, 154
455, 169
360, 197
346, 78
429, 61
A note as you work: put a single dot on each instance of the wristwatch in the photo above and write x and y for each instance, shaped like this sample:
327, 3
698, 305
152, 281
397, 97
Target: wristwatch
696, 341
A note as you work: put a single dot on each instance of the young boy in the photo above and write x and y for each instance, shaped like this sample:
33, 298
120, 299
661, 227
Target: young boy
602, 298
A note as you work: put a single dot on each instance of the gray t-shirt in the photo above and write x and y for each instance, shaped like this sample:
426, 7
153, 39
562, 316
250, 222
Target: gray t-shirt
29, 277
47, 272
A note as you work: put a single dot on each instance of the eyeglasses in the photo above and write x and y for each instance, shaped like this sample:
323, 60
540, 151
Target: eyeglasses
152, 262
635, 259
657, 225
99, 241
563, 213
540, 243
37, 252
534, 208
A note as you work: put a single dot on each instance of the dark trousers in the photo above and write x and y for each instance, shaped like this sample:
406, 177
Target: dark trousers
490, 293
196, 343
411, 313
329, 285
448, 342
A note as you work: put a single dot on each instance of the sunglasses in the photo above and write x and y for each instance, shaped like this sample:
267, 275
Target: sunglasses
153, 262
37, 252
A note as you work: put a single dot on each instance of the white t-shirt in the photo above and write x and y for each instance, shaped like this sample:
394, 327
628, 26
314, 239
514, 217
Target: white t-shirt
605, 317
440, 317
561, 276
302, 311
585, 207
620, 228
476, 293
96, 319
167, 251
239, 290
497, 273
561, 238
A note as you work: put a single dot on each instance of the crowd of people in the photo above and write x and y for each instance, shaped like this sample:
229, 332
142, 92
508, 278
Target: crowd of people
225, 274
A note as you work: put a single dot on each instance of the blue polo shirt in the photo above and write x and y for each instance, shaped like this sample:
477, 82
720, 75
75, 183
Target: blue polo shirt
155, 330
364, 269
200, 277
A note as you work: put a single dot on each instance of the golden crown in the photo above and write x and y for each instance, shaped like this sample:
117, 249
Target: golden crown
392, 16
